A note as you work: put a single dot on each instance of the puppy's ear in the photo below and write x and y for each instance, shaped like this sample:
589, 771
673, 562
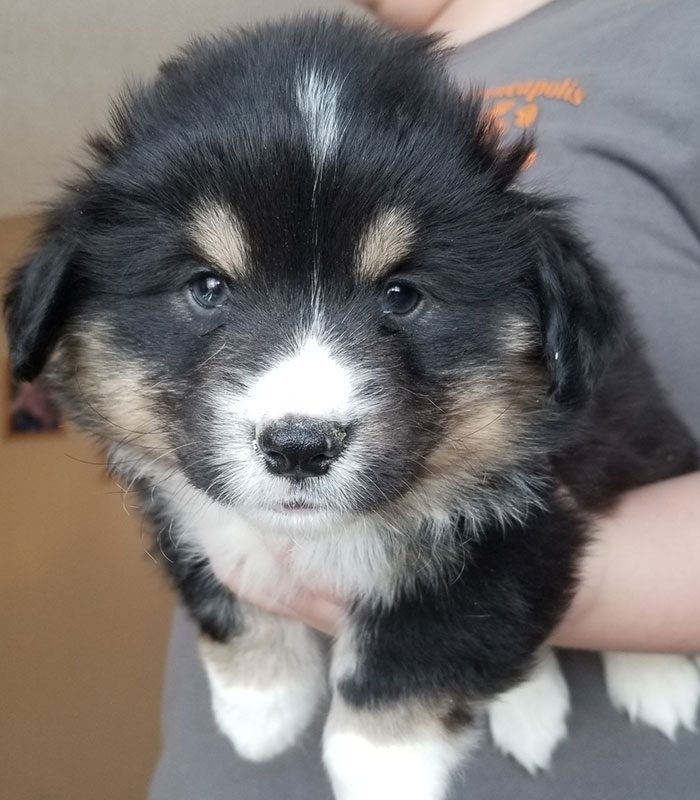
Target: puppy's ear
579, 312
500, 162
36, 304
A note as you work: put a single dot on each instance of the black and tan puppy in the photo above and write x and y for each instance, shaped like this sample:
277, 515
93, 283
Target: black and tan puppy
300, 298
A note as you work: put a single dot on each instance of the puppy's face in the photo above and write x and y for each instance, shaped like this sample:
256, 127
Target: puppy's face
319, 300
285, 376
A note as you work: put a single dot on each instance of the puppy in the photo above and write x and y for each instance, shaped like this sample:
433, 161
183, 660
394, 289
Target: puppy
327, 339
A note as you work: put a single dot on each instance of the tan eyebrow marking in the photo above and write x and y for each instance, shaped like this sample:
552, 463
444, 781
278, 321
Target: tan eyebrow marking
219, 234
387, 240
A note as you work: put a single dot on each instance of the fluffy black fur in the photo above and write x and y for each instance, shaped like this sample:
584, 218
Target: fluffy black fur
220, 122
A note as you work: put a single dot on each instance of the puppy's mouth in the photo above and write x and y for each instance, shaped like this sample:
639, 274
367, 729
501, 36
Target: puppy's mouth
298, 505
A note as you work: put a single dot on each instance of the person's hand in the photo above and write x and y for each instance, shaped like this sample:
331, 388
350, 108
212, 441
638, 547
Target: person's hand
640, 579
319, 611
640, 584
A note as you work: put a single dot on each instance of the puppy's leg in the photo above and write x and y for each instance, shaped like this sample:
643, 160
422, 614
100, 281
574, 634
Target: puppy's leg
529, 721
409, 749
378, 750
265, 682
662, 691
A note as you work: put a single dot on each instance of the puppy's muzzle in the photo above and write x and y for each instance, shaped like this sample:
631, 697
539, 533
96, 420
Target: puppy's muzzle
300, 447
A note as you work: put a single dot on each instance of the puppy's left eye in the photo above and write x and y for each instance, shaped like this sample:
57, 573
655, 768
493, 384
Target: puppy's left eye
207, 290
400, 298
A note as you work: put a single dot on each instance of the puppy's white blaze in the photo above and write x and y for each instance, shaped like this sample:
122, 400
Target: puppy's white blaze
529, 721
311, 383
662, 691
412, 769
317, 96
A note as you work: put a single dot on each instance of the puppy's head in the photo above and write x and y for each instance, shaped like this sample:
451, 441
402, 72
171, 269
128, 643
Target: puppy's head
297, 273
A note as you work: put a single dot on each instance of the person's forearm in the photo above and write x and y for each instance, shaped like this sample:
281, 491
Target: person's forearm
640, 588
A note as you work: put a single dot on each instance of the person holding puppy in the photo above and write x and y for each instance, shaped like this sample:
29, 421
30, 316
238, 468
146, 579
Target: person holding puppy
609, 92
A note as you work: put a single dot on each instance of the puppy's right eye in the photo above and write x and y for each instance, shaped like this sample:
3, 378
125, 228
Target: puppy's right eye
207, 290
400, 298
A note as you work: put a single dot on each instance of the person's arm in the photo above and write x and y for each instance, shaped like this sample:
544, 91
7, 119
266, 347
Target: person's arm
640, 587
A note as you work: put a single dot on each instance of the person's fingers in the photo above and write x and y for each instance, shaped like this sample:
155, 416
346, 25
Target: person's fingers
313, 609
318, 612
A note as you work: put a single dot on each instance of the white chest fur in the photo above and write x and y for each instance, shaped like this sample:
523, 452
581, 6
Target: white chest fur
275, 553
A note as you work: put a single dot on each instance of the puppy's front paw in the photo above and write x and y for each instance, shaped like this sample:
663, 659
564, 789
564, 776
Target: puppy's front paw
265, 683
661, 691
263, 722
529, 721
407, 750
364, 768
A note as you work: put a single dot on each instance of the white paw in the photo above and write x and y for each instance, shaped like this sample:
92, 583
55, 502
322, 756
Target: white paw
529, 721
263, 722
363, 769
660, 690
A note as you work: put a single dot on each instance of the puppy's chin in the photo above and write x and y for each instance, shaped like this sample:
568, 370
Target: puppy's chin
295, 518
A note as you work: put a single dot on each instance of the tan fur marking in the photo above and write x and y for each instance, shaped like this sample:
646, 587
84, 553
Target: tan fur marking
393, 722
110, 396
519, 337
385, 242
268, 647
486, 421
487, 417
219, 235
486, 426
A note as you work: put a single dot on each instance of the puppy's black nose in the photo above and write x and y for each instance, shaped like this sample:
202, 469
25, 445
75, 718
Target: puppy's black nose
299, 447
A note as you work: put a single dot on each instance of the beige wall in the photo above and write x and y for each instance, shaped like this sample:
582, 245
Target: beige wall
61, 61
83, 618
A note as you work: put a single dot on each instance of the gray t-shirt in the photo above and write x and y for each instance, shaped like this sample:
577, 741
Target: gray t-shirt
610, 87
610, 90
